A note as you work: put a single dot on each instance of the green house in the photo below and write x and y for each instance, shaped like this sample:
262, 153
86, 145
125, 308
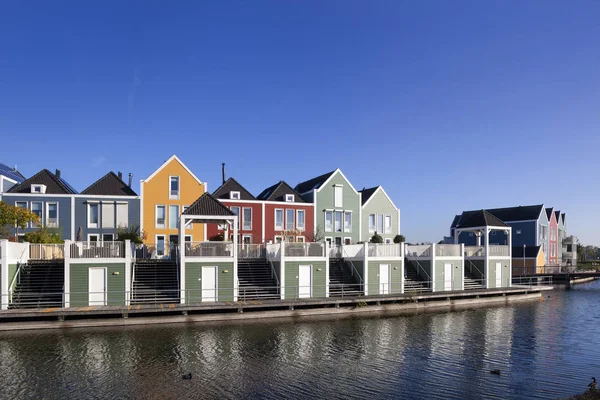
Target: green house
379, 215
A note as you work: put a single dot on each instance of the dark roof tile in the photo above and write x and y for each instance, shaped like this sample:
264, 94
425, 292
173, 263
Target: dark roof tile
367, 193
313, 183
278, 191
54, 185
473, 219
209, 206
231, 185
110, 184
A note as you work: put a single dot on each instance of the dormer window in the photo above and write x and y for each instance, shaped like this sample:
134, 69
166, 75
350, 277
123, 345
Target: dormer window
289, 198
234, 195
38, 189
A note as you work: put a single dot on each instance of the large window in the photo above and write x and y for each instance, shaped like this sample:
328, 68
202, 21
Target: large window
122, 215
328, 221
338, 191
379, 223
37, 208
372, 223
300, 220
289, 219
52, 215
93, 215
173, 216
160, 217
278, 220
338, 221
108, 215
247, 218
388, 224
236, 211
347, 221
173, 187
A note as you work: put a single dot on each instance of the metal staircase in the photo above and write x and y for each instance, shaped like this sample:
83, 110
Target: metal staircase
413, 281
341, 281
255, 280
40, 284
155, 281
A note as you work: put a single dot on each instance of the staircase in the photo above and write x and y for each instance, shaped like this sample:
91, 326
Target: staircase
472, 281
413, 282
155, 282
255, 282
341, 283
40, 285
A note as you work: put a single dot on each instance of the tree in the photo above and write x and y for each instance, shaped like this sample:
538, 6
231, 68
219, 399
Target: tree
376, 238
316, 236
132, 233
44, 235
17, 217
399, 239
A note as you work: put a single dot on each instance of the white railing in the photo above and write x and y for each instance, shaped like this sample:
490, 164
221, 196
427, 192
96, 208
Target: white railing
353, 251
474, 251
447, 250
152, 251
97, 250
209, 249
273, 251
251, 251
384, 250
304, 249
498, 251
416, 251
42, 251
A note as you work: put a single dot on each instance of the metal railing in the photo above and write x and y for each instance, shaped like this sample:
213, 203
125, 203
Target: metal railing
209, 249
153, 251
304, 250
354, 272
471, 266
419, 268
15, 280
447, 250
474, 251
251, 251
532, 281
97, 250
423, 251
384, 250
42, 251
498, 251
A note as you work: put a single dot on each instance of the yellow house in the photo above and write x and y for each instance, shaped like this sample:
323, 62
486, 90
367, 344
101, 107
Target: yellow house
164, 196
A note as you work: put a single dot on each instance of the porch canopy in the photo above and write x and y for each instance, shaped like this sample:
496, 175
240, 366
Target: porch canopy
481, 222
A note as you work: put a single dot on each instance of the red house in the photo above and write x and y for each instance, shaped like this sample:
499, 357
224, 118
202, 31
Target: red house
287, 216
250, 211
552, 237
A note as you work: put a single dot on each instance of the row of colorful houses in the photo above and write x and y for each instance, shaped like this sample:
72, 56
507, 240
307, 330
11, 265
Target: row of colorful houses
327, 207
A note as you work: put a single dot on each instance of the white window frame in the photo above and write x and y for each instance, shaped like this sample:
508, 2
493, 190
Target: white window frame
279, 228
156, 224
165, 243
106, 234
388, 241
289, 198
338, 189
176, 214
349, 239
178, 195
185, 238
287, 214
234, 195
243, 221
39, 189
41, 203
57, 214
89, 237
372, 228
341, 214
117, 224
387, 229
379, 231
349, 229
98, 224
329, 240
330, 225
276, 237
246, 235
300, 239
303, 227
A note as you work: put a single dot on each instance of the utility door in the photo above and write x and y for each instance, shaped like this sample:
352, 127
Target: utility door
447, 276
498, 274
384, 278
97, 286
304, 281
209, 284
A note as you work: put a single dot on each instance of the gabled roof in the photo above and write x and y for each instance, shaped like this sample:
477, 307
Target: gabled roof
549, 212
530, 251
110, 184
207, 205
563, 216
455, 221
11, 173
313, 183
231, 185
520, 213
278, 191
474, 219
557, 215
367, 193
174, 157
54, 185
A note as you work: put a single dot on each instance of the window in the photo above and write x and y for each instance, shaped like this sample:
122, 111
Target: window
289, 198
122, 215
173, 216
289, 239
569, 248
371, 223
93, 215
388, 224
236, 211
173, 187
108, 215
187, 238
300, 220
289, 219
93, 238
278, 239
347, 221
379, 223
37, 208
108, 237
38, 188
338, 191
52, 215
518, 232
160, 244
234, 195
247, 218
278, 220
21, 204
300, 239
388, 241
329, 240
160, 217
347, 240
247, 239
338, 221
328, 221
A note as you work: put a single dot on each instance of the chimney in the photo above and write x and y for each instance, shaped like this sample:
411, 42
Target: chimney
130, 179
57, 173
120, 175
15, 168
223, 171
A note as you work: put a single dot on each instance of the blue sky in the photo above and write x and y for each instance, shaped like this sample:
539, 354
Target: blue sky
449, 105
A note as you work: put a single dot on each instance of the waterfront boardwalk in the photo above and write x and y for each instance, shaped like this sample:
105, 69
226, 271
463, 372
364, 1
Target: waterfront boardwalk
19, 319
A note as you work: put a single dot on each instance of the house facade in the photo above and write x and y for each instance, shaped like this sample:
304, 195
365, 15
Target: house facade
165, 194
562, 234
337, 207
552, 237
9, 177
379, 215
287, 216
105, 206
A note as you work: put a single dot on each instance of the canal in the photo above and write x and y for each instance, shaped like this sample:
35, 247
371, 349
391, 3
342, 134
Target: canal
544, 350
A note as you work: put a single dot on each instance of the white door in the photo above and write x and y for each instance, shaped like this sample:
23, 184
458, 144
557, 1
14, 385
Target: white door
498, 274
209, 284
384, 278
97, 286
305, 281
447, 276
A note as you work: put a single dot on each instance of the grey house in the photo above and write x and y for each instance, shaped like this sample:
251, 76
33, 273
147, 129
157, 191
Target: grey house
50, 197
102, 208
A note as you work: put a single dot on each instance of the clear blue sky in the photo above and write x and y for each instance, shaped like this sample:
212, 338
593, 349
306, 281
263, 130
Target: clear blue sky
449, 105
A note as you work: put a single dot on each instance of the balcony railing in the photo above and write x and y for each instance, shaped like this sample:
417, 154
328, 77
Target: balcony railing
499, 251
384, 250
423, 251
474, 251
97, 250
251, 251
209, 249
42, 251
160, 251
304, 249
447, 250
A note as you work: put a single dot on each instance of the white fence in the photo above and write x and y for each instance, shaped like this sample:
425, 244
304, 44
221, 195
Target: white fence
474, 251
498, 251
97, 250
384, 250
423, 251
208, 249
42, 251
353, 251
304, 249
251, 251
447, 250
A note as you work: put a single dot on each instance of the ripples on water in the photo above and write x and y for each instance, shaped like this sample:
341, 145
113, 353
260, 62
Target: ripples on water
545, 349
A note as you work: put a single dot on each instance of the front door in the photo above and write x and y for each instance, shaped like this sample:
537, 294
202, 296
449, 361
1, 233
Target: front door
384, 279
209, 284
498, 274
305, 281
447, 276
97, 286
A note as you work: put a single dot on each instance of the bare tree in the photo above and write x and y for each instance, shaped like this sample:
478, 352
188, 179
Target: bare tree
316, 236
